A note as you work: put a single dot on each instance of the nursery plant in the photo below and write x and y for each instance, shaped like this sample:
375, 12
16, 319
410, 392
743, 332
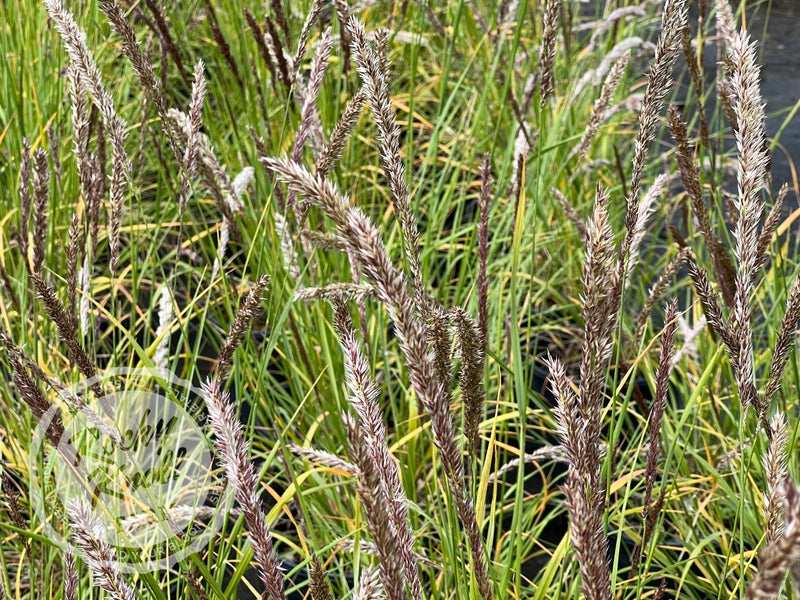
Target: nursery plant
404, 300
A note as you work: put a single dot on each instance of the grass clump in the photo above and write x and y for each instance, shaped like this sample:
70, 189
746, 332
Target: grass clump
331, 317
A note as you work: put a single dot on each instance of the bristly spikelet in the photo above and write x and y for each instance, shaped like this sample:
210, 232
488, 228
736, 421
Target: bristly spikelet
752, 166
261, 42
325, 458
693, 60
141, 65
195, 117
369, 586
586, 523
363, 397
276, 47
211, 172
241, 321
640, 227
724, 271
73, 249
70, 576
374, 76
24, 201
775, 465
726, 24
234, 451
471, 355
600, 109
599, 322
319, 584
165, 37
161, 357
483, 252
370, 490
99, 557
336, 292
332, 151
784, 342
579, 416
319, 66
658, 85
768, 229
11, 496
30, 393
305, 32
778, 556
74, 41
547, 54
649, 512
657, 289
308, 114
567, 412
711, 306
363, 242
41, 196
